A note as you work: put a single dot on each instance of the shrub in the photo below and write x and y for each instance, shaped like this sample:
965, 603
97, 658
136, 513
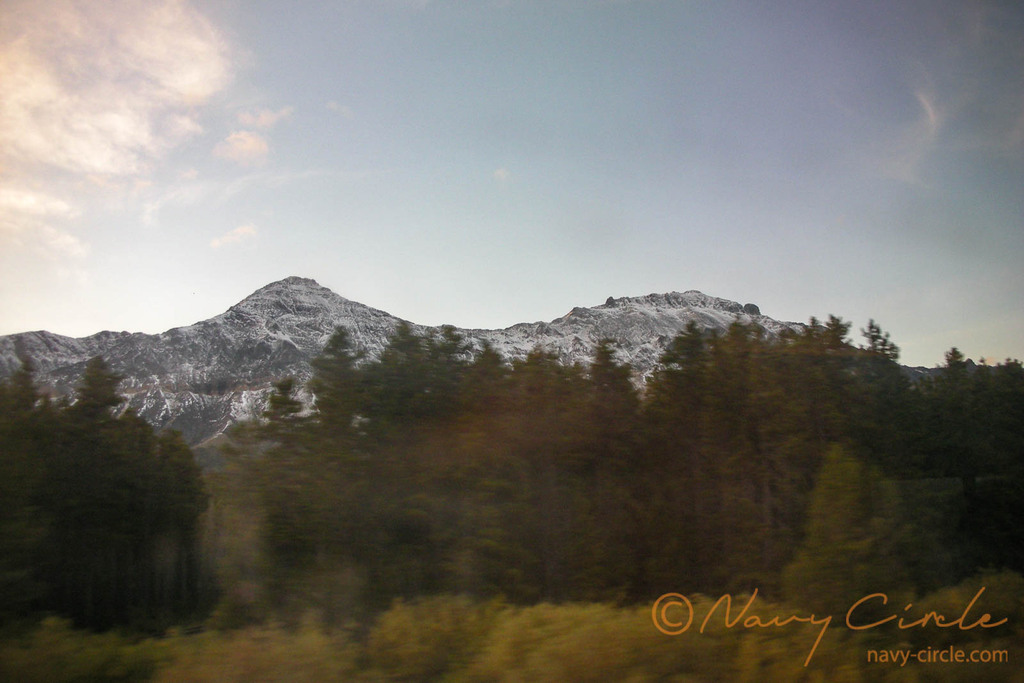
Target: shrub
428, 638
266, 653
54, 652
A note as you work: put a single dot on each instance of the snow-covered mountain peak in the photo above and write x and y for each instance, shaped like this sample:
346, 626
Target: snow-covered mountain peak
292, 287
691, 298
290, 294
203, 377
305, 313
295, 280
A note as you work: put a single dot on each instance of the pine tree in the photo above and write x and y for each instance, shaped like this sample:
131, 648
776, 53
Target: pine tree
25, 426
336, 384
97, 393
117, 502
854, 542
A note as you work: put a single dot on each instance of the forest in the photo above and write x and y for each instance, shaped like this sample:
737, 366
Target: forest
440, 513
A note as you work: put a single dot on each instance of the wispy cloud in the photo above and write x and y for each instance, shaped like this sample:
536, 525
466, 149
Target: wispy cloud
192, 190
243, 147
26, 221
29, 203
54, 243
240, 233
907, 151
966, 95
104, 87
94, 95
264, 119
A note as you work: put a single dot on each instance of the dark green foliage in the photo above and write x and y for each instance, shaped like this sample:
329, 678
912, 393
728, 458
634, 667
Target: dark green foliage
25, 426
856, 538
100, 524
744, 463
973, 433
434, 469
337, 385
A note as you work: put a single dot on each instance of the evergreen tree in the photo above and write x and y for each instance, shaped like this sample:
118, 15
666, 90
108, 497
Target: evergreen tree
25, 426
883, 409
97, 393
855, 539
955, 445
116, 503
337, 386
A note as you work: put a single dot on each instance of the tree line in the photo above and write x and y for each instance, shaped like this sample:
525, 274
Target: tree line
809, 467
99, 516
744, 462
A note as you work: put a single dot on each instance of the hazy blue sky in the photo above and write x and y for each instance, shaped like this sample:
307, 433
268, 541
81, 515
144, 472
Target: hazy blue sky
486, 163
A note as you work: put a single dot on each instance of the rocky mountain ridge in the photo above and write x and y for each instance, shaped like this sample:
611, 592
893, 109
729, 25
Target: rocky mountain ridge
202, 378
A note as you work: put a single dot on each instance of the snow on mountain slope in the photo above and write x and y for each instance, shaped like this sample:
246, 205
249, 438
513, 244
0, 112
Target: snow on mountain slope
641, 326
202, 378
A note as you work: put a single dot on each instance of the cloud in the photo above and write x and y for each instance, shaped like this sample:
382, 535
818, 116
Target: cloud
55, 243
188, 192
909, 148
247, 147
244, 147
502, 175
963, 88
26, 202
25, 222
94, 95
104, 87
240, 233
264, 119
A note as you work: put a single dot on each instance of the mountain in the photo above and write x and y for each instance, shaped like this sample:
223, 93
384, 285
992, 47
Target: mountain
202, 378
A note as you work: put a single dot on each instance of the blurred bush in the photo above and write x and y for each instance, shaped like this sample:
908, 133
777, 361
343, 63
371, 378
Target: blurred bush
267, 653
429, 638
55, 652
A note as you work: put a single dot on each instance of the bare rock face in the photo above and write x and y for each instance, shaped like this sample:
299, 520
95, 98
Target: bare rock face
203, 378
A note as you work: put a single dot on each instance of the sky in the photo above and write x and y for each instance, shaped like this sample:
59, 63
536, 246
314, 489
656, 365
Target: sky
487, 162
